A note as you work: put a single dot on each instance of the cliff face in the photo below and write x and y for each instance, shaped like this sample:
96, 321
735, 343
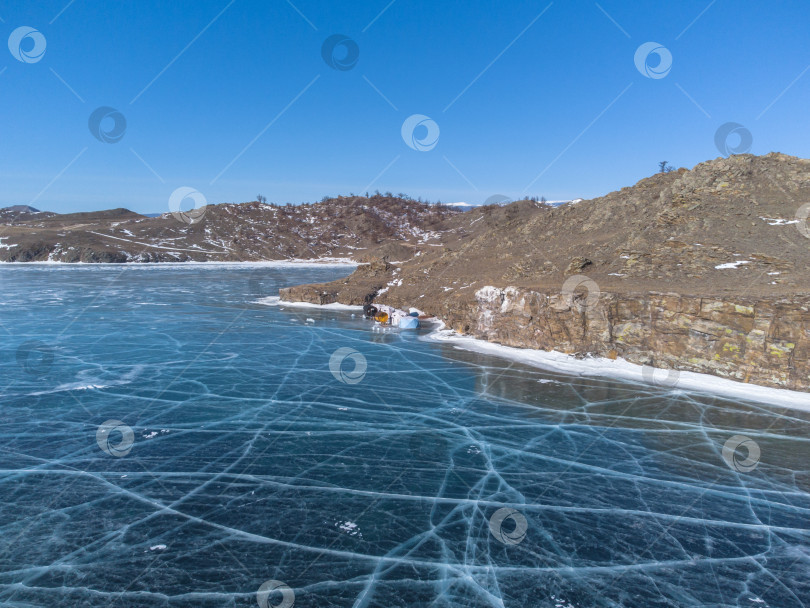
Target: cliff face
698, 270
763, 341
759, 340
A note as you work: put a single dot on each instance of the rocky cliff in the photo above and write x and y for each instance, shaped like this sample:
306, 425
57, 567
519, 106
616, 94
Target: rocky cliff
764, 341
701, 270
759, 340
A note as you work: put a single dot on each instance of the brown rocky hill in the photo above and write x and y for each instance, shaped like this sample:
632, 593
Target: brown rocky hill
669, 232
355, 227
701, 270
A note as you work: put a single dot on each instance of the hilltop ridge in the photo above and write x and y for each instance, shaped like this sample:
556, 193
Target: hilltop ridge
349, 227
726, 226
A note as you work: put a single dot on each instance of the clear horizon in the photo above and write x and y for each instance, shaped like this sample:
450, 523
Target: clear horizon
298, 99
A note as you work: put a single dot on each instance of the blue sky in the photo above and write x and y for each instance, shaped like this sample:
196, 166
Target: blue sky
234, 98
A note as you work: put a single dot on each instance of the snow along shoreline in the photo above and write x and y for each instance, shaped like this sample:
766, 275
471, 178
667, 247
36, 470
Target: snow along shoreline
597, 367
277, 301
622, 369
297, 262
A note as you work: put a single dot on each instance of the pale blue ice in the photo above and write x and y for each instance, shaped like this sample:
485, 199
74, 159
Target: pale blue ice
253, 462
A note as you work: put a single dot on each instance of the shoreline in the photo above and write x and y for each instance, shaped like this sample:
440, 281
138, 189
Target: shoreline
621, 369
141, 265
596, 367
277, 301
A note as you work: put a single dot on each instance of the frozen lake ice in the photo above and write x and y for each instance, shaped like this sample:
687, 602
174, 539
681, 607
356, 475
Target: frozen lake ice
168, 440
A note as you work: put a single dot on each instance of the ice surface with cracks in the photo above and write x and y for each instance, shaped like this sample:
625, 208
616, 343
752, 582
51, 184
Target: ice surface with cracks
252, 462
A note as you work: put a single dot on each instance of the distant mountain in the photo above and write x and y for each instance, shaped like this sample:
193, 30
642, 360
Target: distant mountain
558, 203
21, 213
349, 227
503, 201
461, 206
20, 209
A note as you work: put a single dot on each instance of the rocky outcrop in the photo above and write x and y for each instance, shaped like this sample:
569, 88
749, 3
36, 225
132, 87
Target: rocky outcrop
355, 290
763, 341
730, 236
